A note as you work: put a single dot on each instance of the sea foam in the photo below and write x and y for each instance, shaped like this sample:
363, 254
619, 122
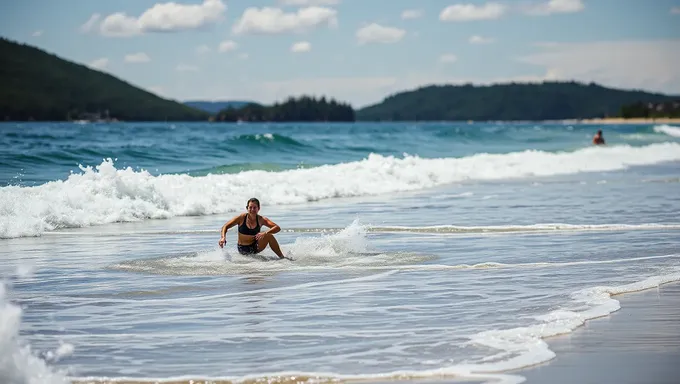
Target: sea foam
105, 194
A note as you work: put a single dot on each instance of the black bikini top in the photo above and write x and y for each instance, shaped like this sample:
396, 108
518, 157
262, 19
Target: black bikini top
243, 228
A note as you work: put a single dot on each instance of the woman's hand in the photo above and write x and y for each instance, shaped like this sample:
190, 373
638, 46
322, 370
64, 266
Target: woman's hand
222, 242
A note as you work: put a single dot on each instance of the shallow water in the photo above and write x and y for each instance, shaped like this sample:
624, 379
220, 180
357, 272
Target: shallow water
403, 267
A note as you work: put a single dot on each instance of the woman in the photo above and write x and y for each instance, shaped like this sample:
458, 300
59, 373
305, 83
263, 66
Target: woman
250, 239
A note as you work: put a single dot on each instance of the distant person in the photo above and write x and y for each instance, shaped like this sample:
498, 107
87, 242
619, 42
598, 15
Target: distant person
250, 240
598, 139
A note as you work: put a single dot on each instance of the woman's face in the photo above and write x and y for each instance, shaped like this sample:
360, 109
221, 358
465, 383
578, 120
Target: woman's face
252, 208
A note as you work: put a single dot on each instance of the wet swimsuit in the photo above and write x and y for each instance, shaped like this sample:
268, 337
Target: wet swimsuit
243, 228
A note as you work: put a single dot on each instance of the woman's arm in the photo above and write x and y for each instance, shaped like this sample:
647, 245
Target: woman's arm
223, 232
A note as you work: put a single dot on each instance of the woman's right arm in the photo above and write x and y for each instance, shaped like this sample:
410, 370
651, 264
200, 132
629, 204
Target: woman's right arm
225, 227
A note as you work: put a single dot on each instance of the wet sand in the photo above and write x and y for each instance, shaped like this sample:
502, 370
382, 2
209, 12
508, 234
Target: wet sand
640, 343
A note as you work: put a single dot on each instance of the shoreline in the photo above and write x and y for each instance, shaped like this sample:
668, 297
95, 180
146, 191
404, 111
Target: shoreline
638, 343
622, 121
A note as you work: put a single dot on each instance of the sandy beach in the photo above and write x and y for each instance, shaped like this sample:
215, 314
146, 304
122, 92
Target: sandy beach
640, 343
617, 121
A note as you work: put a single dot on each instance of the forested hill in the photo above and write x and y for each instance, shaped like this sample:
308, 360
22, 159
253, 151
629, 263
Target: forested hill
512, 101
215, 106
37, 85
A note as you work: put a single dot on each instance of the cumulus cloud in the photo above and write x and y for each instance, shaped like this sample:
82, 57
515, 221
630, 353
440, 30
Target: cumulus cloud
448, 58
409, 14
140, 57
476, 39
37, 33
227, 46
554, 6
470, 12
301, 46
376, 33
100, 63
269, 20
652, 65
307, 3
90, 23
162, 17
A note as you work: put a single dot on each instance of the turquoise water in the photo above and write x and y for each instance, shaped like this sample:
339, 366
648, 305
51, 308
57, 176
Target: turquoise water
420, 249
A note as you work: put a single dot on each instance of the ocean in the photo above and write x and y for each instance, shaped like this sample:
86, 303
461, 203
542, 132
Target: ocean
420, 250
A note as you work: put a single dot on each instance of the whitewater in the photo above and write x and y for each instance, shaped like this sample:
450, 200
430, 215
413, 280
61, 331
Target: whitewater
420, 251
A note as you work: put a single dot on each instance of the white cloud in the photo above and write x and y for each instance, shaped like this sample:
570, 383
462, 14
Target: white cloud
307, 3
675, 10
652, 65
448, 58
100, 63
202, 49
301, 46
554, 6
227, 46
409, 14
37, 33
269, 20
376, 33
469, 12
186, 68
139, 57
476, 39
243, 56
163, 17
90, 23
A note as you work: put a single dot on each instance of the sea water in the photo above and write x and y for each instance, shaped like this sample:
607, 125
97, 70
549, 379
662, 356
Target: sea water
420, 250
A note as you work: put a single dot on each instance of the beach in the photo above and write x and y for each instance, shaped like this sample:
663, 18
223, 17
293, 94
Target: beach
438, 252
620, 121
640, 343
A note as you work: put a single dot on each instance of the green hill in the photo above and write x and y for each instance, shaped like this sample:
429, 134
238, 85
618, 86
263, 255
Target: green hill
512, 101
37, 85
215, 106
300, 109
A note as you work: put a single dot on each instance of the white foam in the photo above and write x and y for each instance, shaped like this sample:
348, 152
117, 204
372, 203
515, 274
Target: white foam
18, 363
104, 194
526, 344
668, 129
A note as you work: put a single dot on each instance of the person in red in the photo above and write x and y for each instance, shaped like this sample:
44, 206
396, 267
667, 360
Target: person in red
598, 139
250, 239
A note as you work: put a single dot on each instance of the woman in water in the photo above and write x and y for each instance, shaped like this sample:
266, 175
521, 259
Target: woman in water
250, 239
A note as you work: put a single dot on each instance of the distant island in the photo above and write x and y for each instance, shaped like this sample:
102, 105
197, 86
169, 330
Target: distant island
302, 109
213, 107
512, 101
39, 86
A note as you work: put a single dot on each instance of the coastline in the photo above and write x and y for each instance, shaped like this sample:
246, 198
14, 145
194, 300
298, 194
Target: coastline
640, 343
621, 121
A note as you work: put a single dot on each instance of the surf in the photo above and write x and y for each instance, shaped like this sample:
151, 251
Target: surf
106, 194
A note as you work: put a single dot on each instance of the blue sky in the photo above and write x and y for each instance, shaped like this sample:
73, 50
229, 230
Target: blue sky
358, 51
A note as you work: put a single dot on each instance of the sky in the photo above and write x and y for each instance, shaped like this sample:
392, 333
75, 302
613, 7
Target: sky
356, 51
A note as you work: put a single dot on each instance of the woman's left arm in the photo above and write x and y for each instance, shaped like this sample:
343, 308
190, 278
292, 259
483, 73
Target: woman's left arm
273, 227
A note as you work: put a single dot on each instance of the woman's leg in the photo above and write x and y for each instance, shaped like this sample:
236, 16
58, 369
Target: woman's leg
269, 240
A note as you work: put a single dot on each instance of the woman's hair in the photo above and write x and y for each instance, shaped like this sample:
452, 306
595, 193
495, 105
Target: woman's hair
254, 200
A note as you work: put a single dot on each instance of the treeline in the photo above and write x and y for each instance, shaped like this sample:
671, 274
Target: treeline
511, 101
301, 109
668, 109
39, 86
